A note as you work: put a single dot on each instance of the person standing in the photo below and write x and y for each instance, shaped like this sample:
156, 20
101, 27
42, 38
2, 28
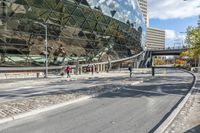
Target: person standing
68, 69
92, 68
130, 68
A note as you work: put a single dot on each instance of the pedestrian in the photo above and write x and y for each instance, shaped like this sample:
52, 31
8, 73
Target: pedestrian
130, 70
92, 67
95, 68
88, 68
68, 69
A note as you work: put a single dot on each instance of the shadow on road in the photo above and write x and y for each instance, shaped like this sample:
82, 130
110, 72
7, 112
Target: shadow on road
195, 129
159, 86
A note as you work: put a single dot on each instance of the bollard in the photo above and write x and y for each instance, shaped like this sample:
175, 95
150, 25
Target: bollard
37, 74
165, 72
153, 71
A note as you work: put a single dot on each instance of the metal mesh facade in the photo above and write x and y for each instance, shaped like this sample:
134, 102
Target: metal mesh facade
78, 30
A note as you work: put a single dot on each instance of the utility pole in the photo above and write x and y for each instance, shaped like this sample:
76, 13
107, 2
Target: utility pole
46, 48
4, 22
5, 10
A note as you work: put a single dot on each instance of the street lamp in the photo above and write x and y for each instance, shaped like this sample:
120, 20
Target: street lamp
46, 51
183, 40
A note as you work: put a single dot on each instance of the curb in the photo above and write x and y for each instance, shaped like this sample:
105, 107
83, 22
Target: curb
56, 106
175, 112
38, 111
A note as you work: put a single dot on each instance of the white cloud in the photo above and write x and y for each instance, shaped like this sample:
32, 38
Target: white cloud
170, 34
169, 9
182, 37
173, 38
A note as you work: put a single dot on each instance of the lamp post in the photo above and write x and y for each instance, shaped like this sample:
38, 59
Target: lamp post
175, 43
183, 42
46, 51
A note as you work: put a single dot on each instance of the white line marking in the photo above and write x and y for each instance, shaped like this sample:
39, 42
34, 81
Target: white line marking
153, 92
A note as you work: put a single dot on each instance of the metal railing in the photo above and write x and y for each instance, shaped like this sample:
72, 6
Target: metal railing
176, 47
51, 68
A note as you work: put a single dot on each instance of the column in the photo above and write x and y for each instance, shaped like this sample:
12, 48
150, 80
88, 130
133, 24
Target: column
97, 68
80, 69
104, 67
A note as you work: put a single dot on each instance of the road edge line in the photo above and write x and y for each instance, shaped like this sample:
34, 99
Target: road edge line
176, 111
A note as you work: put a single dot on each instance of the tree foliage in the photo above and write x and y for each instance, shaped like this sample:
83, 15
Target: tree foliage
159, 61
187, 54
180, 62
193, 39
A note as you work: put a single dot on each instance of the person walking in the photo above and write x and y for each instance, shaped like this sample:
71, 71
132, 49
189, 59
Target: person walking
130, 70
68, 69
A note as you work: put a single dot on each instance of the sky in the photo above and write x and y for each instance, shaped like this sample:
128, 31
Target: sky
173, 16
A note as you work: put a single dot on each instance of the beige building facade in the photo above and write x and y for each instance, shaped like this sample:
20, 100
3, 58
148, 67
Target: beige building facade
155, 38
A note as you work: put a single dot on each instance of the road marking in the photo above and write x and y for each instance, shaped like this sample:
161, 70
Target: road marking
153, 92
16, 89
137, 82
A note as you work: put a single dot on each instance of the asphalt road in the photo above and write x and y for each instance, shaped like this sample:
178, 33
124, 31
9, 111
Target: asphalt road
131, 109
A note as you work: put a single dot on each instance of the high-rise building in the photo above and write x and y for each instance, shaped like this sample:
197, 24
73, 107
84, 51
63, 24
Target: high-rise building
155, 39
143, 7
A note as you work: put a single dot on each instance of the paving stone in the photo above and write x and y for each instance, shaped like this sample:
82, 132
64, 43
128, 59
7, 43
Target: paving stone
11, 108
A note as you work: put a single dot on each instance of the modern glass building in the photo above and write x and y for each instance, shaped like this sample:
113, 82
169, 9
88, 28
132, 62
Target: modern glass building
78, 30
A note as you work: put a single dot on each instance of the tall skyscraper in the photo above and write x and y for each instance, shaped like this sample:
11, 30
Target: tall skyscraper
143, 7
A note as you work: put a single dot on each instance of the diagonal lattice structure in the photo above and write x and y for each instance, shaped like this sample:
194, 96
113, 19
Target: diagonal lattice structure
78, 30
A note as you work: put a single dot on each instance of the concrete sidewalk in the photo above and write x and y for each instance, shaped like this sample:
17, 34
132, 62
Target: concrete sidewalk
10, 83
35, 75
188, 119
19, 89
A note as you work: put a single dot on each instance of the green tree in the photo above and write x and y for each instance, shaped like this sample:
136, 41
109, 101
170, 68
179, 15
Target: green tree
193, 40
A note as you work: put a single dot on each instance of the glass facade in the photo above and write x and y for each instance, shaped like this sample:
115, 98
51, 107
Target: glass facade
78, 30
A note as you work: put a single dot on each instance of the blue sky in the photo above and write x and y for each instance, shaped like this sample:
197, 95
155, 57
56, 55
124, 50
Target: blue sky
174, 16
177, 27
